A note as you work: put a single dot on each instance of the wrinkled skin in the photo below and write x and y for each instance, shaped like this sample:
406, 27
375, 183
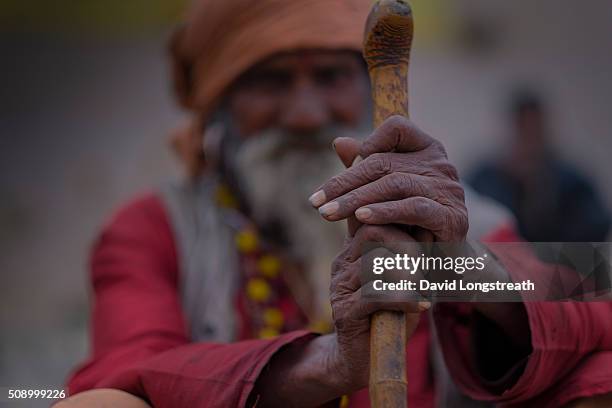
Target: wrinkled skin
405, 178
351, 313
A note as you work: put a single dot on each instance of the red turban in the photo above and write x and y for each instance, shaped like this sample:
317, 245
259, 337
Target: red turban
223, 38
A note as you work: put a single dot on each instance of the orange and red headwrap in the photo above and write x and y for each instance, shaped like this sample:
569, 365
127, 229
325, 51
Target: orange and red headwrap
224, 38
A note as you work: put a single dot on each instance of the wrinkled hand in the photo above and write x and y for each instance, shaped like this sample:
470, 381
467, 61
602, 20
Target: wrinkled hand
313, 372
405, 178
351, 311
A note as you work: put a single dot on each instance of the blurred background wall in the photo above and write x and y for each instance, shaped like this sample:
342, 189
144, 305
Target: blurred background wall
85, 110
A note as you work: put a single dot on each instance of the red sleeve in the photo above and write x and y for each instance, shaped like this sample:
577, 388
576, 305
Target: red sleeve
563, 335
139, 337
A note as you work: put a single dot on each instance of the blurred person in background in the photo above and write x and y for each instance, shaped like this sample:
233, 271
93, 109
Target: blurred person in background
216, 291
552, 201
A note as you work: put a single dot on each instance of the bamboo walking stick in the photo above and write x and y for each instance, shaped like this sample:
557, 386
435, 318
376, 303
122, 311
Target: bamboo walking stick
387, 44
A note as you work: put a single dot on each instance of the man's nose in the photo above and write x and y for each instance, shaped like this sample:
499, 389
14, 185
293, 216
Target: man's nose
305, 110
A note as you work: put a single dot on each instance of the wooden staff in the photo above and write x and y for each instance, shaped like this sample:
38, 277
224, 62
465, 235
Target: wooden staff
387, 43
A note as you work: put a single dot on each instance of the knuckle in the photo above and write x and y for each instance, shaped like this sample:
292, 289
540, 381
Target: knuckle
398, 122
340, 322
448, 170
335, 185
333, 285
390, 211
369, 233
342, 315
350, 201
341, 288
337, 264
455, 225
440, 218
458, 192
396, 183
446, 229
463, 223
344, 286
338, 303
453, 193
438, 148
363, 309
421, 206
377, 166
372, 231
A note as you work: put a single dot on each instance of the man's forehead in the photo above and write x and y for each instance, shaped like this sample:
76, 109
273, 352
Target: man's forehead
308, 58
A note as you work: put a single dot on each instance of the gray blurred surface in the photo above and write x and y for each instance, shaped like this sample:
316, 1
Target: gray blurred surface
83, 122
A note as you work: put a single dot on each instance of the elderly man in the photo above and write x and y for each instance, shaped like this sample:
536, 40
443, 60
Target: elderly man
216, 292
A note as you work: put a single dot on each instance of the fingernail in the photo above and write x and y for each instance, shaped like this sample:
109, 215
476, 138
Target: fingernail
317, 198
357, 160
423, 306
363, 213
329, 209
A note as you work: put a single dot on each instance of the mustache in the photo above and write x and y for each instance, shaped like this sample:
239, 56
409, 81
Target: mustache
289, 152
306, 142
275, 143
277, 165
277, 153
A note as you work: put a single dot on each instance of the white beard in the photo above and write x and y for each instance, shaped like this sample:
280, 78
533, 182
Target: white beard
277, 175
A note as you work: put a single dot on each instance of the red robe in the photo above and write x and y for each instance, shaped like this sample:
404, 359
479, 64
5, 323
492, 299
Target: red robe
140, 341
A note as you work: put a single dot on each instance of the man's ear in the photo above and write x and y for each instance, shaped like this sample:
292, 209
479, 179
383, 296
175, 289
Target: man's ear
187, 143
347, 150
181, 68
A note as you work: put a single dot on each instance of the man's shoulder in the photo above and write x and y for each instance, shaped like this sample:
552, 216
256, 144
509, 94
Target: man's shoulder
139, 226
143, 214
142, 205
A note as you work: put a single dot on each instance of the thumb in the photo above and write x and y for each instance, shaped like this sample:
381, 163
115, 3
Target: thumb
347, 149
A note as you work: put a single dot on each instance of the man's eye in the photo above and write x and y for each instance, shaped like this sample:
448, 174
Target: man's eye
272, 80
330, 76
